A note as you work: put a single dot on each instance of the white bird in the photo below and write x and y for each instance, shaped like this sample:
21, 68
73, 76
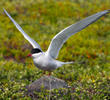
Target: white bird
47, 60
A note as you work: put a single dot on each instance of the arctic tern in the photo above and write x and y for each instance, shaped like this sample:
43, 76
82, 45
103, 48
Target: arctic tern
47, 60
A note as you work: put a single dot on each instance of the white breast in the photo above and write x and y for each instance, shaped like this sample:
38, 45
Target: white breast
44, 62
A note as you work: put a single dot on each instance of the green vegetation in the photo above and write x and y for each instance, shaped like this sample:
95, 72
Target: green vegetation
89, 77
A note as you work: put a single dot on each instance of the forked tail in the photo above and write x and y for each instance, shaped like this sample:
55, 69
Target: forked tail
68, 62
59, 63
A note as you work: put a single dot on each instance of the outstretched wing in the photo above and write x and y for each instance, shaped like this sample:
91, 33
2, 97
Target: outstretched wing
63, 35
32, 42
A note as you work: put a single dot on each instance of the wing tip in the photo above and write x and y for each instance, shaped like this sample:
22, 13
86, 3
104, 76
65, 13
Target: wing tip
106, 11
4, 10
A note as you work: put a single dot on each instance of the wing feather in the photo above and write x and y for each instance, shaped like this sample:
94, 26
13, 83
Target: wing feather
32, 42
58, 41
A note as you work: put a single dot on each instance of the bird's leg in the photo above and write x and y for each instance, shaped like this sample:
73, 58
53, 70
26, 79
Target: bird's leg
49, 74
44, 72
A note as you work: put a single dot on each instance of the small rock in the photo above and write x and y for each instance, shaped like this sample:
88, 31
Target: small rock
46, 83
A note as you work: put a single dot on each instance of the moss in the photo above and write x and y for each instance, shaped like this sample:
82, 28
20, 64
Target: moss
89, 76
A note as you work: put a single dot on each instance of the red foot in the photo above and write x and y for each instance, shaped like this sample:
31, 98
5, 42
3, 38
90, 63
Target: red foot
49, 74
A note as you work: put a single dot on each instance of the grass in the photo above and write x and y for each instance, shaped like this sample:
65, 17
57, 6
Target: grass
89, 77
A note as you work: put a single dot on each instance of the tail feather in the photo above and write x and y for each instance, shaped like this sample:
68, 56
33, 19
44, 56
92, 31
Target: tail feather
68, 62
59, 63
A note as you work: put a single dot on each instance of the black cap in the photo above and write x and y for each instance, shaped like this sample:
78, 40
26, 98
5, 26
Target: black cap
35, 50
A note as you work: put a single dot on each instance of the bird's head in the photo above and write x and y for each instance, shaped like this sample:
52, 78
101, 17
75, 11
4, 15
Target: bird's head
35, 52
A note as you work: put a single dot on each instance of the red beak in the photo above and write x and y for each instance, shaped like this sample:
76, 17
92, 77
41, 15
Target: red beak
29, 55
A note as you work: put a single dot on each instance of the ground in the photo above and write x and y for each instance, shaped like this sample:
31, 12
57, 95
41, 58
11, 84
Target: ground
89, 76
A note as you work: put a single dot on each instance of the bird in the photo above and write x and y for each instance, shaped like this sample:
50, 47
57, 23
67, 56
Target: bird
46, 61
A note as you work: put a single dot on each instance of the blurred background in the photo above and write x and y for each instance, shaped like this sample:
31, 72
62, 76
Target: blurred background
42, 20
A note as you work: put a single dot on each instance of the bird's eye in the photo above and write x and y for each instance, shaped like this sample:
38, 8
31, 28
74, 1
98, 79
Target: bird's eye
35, 50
